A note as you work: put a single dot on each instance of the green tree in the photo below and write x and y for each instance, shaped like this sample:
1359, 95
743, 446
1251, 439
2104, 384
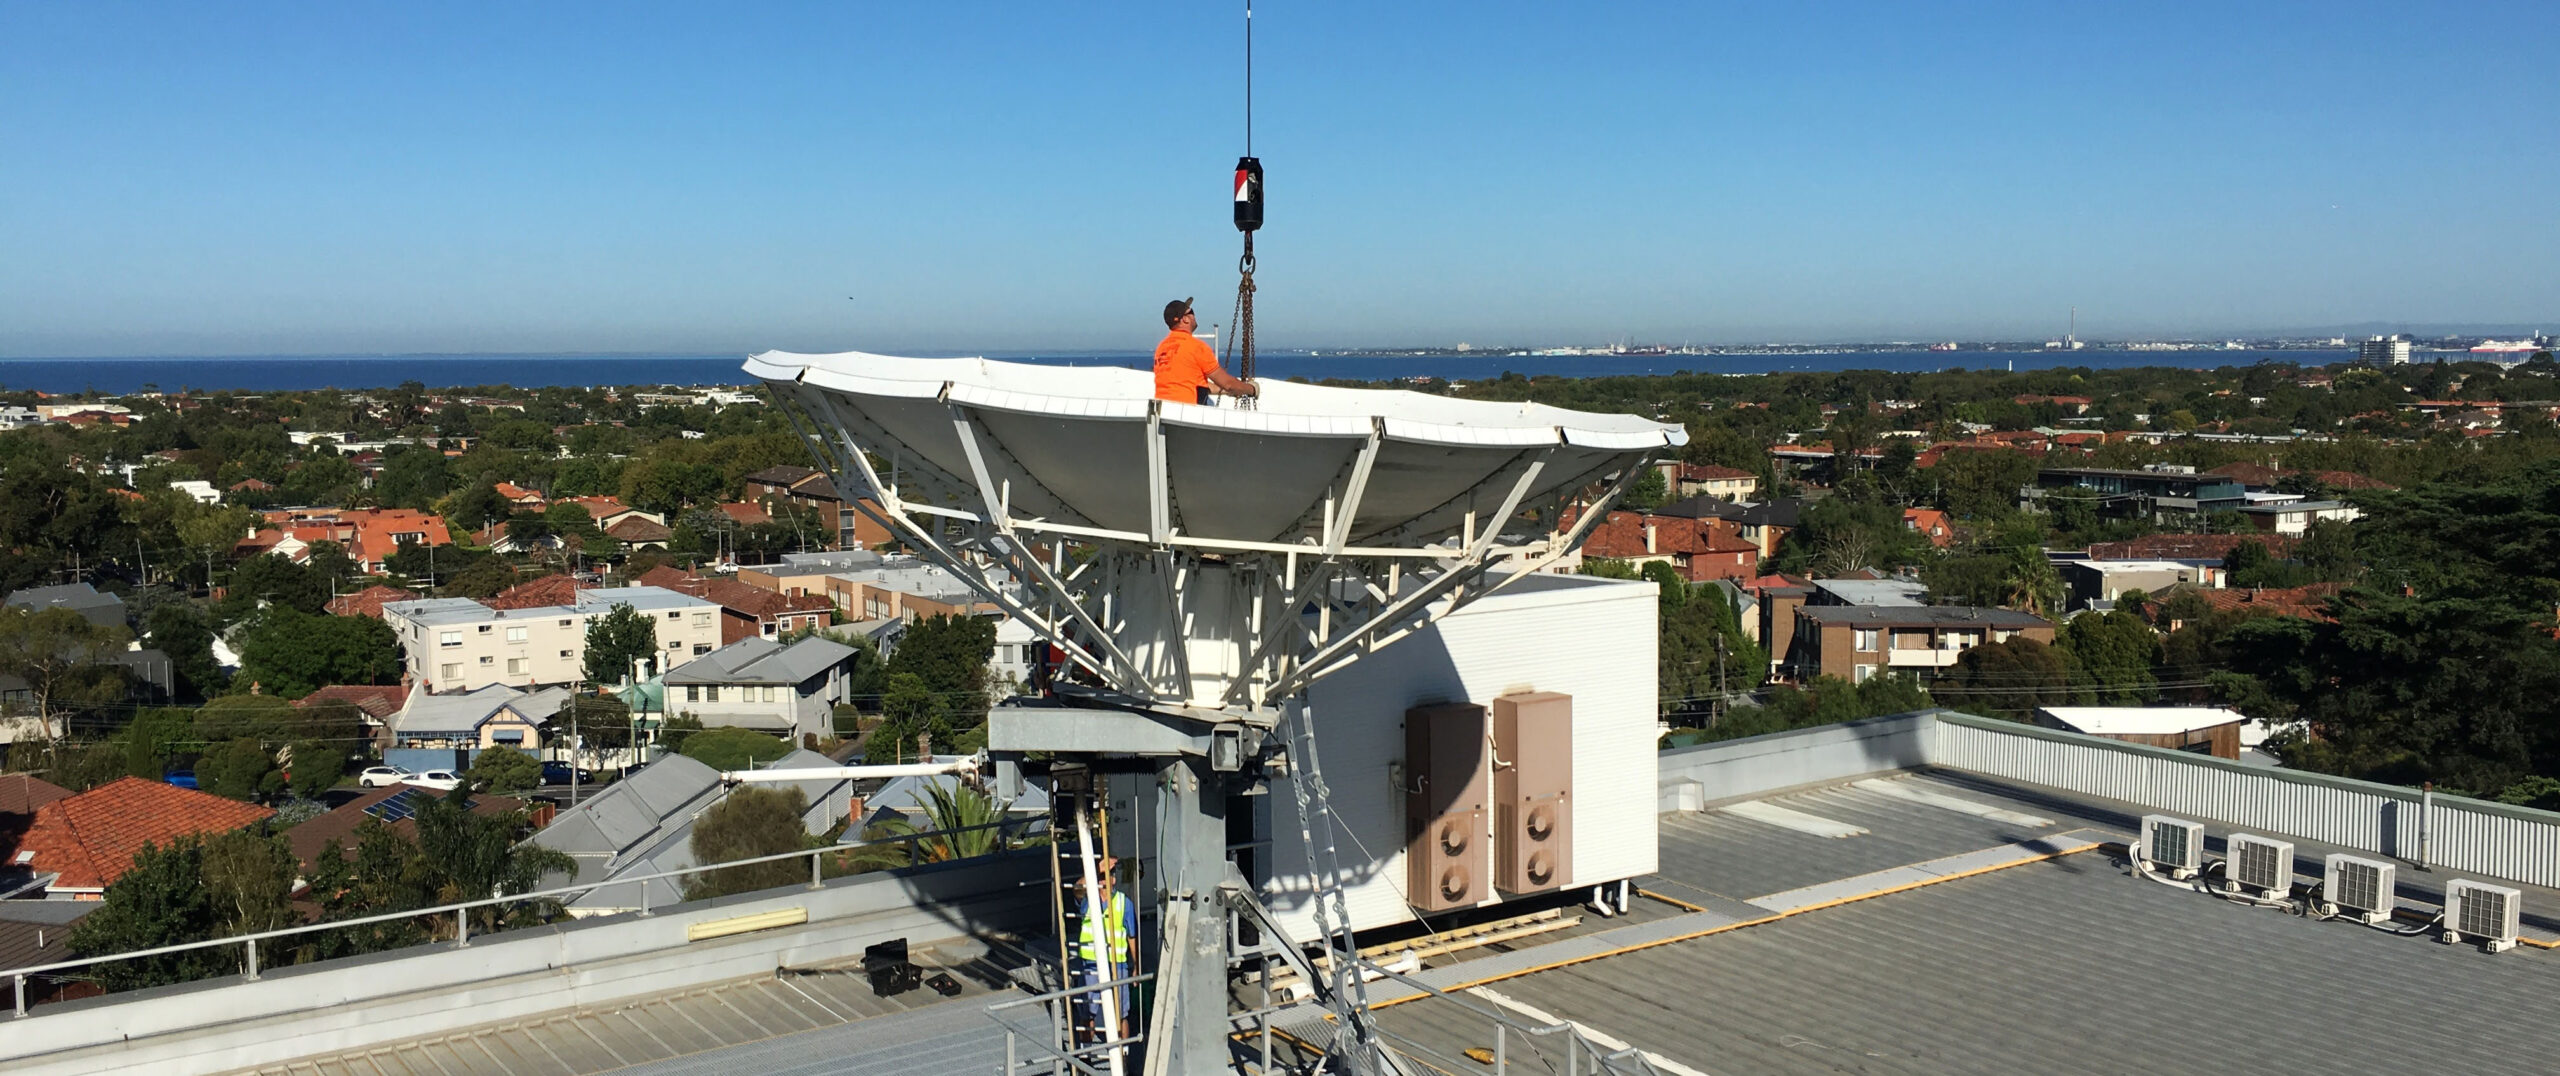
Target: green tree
317, 765
240, 769
949, 654
1968, 579
960, 822
290, 653
482, 579
474, 856
1827, 700
504, 770
185, 632
382, 874
2250, 565
153, 739
1982, 483
1700, 647
747, 823
63, 659
909, 711
160, 900
2008, 679
618, 639
475, 506
2112, 653
730, 749
248, 878
272, 579
1647, 492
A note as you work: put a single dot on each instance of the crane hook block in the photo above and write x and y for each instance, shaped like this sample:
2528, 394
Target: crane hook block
1248, 194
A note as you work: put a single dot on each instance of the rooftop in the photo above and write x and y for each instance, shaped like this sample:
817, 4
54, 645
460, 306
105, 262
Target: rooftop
762, 661
463, 711
434, 612
90, 839
2141, 720
1949, 616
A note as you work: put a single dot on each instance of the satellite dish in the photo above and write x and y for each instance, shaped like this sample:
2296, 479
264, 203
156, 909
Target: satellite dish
1204, 557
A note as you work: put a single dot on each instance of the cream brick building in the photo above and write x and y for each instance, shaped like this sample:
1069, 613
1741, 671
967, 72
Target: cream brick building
457, 644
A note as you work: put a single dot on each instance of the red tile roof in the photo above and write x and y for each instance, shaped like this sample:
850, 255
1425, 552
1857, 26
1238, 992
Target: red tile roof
90, 839
1931, 523
2309, 602
368, 602
746, 512
540, 593
1622, 535
378, 701
637, 528
22, 793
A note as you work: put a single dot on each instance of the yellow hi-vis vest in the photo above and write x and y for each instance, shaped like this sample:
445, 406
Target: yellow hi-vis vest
1115, 927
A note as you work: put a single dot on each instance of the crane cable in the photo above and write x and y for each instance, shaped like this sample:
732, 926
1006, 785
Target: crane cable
1248, 219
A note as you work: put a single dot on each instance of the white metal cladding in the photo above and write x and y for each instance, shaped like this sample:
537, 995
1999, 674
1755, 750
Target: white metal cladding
1589, 638
2460, 834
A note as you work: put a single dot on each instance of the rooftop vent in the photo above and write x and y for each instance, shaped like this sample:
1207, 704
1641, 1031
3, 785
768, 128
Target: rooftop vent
2261, 864
2358, 888
2481, 912
2172, 843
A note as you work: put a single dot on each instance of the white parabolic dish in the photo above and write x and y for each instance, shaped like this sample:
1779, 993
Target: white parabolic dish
1072, 445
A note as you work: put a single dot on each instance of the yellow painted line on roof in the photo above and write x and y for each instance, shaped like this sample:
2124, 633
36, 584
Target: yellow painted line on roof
1672, 901
1773, 917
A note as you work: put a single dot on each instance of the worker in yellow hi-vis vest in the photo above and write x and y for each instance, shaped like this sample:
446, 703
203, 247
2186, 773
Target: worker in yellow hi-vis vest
1103, 946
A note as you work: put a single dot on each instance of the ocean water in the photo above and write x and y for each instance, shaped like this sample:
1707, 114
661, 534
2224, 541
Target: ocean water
272, 373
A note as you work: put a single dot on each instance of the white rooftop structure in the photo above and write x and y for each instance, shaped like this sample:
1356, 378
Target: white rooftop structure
2141, 720
432, 612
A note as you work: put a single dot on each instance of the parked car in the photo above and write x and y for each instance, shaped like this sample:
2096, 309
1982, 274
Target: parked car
556, 772
182, 778
380, 776
443, 779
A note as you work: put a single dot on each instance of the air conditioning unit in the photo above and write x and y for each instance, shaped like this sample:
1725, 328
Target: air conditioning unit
2261, 864
2173, 844
2481, 912
2358, 888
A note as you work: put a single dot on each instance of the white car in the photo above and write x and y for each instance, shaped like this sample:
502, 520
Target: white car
382, 776
441, 779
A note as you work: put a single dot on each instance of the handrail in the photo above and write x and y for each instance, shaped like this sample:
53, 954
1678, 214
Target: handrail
461, 909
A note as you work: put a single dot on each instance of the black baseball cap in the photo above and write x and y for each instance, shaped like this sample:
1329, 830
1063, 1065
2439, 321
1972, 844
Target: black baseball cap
1174, 310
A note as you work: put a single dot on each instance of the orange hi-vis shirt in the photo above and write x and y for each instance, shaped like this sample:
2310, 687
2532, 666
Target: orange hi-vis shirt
1183, 362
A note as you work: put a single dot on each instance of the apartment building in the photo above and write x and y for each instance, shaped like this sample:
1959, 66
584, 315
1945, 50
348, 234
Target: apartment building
457, 644
1855, 642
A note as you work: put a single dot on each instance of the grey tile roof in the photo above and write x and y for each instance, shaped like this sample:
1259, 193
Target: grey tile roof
762, 661
105, 610
463, 711
643, 824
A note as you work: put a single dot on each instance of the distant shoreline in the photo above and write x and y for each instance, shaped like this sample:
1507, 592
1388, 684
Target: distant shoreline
583, 369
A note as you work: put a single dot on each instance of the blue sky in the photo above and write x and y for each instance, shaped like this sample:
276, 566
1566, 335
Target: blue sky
281, 178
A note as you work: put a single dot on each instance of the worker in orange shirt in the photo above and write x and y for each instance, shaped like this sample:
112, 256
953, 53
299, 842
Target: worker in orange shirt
1186, 370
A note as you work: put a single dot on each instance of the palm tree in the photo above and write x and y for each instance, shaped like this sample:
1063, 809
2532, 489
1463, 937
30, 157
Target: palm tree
959, 823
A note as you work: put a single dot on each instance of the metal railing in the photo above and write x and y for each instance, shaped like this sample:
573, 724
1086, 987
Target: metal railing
461, 911
1579, 1055
1557, 1049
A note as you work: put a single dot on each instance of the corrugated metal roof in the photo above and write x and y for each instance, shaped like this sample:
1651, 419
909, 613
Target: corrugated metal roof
2062, 965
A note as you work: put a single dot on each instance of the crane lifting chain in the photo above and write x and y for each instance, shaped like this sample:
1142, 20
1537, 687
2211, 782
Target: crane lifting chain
1248, 216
